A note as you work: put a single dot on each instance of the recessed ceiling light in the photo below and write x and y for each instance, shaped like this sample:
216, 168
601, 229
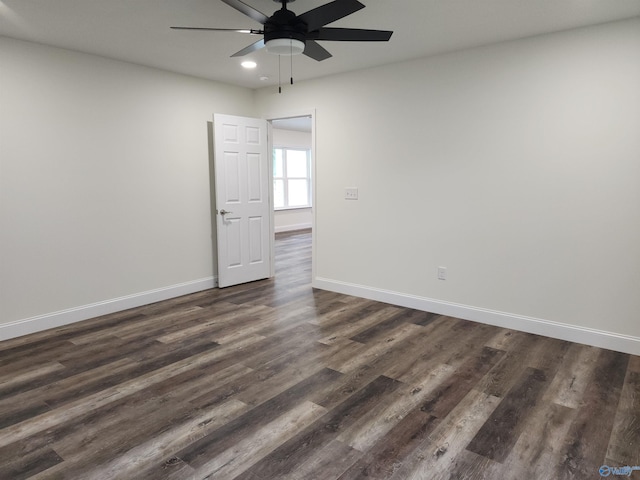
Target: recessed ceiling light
249, 64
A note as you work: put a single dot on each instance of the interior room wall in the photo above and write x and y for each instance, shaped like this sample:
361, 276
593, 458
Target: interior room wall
515, 166
104, 184
298, 218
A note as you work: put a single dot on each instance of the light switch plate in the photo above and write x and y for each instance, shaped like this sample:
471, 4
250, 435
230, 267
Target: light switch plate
351, 193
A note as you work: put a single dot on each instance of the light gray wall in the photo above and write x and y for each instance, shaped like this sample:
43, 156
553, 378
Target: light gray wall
104, 180
516, 166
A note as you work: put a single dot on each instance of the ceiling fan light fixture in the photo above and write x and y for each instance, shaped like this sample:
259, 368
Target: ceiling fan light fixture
285, 33
284, 46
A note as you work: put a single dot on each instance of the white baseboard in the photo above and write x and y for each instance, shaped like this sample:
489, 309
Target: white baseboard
84, 312
547, 328
292, 228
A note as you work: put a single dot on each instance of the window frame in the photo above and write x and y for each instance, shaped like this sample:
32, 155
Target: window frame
285, 178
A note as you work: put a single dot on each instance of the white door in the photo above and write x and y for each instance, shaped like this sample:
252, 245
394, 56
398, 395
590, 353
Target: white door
243, 210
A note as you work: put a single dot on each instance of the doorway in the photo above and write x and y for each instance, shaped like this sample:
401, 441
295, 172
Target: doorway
292, 142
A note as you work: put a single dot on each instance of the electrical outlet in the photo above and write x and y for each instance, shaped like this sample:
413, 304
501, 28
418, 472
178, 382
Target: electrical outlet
442, 273
351, 193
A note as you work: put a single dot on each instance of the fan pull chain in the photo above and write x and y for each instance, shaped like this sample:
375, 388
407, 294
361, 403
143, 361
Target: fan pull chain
279, 76
291, 57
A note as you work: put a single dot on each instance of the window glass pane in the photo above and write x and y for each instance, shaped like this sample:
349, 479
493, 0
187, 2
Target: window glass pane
277, 163
296, 163
278, 193
298, 193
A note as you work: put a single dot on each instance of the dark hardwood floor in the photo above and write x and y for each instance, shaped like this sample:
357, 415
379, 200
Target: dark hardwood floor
275, 380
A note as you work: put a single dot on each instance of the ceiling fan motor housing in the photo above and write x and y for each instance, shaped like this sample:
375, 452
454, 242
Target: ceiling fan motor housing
284, 24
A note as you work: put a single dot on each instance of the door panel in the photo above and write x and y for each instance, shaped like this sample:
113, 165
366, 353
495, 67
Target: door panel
233, 241
256, 252
255, 175
232, 178
243, 210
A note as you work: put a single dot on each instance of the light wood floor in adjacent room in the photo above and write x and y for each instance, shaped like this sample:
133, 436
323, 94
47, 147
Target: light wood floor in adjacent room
275, 380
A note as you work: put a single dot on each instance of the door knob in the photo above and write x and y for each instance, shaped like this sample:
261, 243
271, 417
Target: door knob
224, 212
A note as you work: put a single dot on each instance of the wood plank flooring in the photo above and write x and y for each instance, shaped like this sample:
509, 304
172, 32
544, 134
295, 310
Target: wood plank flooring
275, 380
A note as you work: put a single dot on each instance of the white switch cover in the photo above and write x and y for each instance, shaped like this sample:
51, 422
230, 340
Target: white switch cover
351, 193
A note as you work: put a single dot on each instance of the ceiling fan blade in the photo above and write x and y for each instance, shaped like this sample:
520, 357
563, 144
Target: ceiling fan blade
251, 48
247, 10
316, 51
238, 30
350, 35
321, 16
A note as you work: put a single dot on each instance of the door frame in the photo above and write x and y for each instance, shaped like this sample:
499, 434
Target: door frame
279, 116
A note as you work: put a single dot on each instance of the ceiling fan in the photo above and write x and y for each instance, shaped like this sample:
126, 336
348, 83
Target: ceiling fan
285, 33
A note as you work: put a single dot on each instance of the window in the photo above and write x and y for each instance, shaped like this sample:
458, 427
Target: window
291, 178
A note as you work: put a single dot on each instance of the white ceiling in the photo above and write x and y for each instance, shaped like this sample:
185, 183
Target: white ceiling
138, 31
